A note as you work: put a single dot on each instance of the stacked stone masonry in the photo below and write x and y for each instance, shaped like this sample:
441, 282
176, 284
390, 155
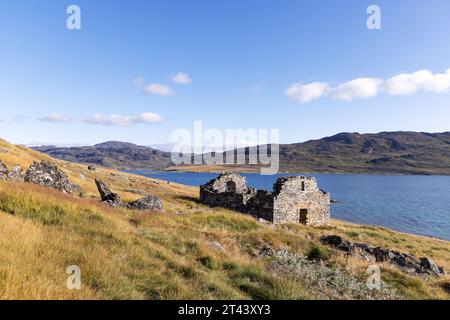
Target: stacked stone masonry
293, 199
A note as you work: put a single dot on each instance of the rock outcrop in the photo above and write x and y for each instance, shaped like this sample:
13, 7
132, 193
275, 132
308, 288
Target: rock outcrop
16, 174
46, 174
107, 196
150, 202
3, 171
405, 261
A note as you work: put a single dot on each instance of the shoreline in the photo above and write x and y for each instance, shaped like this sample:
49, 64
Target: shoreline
429, 237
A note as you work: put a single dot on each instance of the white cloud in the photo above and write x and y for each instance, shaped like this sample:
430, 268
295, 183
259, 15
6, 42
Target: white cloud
124, 121
410, 83
308, 92
361, 88
159, 89
55, 118
181, 78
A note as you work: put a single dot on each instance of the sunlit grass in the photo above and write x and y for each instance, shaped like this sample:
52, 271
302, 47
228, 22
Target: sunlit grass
151, 255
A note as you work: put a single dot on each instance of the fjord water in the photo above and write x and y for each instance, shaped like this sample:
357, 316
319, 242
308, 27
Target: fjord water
412, 204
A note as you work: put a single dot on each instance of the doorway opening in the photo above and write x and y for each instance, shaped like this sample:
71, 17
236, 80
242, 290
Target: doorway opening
303, 216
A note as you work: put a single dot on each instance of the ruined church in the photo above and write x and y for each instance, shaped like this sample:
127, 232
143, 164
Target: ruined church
293, 199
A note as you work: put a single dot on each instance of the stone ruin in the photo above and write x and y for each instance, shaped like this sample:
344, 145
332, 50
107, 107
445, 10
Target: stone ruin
293, 199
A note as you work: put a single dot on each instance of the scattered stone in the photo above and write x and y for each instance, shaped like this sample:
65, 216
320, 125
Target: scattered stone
339, 243
16, 174
216, 246
3, 171
150, 202
405, 261
47, 174
82, 177
265, 251
294, 199
325, 282
108, 197
4, 150
92, 168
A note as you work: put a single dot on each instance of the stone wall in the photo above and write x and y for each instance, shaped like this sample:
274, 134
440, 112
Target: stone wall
261, 205
294, 199
298, 199
228, 190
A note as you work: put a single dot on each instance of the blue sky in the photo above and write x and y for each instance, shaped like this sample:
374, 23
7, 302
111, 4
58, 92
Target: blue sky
241, 57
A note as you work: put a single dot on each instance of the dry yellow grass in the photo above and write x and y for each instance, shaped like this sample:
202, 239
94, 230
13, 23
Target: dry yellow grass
147, 255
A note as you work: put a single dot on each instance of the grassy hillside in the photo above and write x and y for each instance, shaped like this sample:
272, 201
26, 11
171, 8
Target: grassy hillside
173, 255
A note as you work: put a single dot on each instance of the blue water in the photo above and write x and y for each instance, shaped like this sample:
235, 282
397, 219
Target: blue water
413, 204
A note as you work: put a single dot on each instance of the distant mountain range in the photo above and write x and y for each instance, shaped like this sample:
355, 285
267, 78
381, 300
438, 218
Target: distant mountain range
112, 154
385, 152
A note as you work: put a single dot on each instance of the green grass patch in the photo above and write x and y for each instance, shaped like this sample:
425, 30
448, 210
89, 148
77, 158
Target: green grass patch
319, 253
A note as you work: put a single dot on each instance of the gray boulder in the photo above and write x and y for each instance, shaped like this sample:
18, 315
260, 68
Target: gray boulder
430, 266
16, 174
3, 171
338, 243
150, 202
48, 175
108, 197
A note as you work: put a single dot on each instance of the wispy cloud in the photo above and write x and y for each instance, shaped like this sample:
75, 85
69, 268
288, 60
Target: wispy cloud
20, 118
364, 88
159, 90
138, 82
181, 78
124, 121
55, 118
